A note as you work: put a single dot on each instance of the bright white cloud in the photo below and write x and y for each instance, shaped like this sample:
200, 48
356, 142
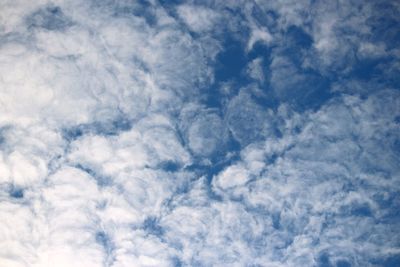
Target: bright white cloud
120, 146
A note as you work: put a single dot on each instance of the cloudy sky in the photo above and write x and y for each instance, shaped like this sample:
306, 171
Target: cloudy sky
199, 133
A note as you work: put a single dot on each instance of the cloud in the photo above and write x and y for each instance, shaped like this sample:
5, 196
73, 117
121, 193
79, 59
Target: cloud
205, 132
247, 121
198, 18
255, 70
122, 143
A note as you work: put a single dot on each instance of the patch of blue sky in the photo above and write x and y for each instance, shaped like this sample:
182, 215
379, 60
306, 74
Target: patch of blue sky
16, 192
152, 226
100, 179
106, 127
104, 240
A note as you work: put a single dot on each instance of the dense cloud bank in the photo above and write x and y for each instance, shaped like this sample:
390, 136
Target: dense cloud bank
199, 133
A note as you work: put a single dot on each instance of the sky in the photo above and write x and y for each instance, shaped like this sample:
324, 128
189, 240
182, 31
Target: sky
250, 133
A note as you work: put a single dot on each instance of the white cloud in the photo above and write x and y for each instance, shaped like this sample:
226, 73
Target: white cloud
109, 155
198, 18
231, 177
255, 70
259, 35
247, 120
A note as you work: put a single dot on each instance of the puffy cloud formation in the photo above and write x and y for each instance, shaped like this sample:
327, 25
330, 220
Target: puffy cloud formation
199, 133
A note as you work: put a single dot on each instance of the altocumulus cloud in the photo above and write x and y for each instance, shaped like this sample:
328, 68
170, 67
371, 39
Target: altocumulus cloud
199, 133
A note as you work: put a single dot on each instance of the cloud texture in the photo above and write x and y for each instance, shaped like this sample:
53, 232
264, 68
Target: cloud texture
199, 133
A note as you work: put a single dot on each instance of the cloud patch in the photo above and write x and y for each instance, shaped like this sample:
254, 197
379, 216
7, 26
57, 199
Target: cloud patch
177, 134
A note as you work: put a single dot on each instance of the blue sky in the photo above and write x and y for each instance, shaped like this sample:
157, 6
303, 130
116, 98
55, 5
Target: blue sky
199, 133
